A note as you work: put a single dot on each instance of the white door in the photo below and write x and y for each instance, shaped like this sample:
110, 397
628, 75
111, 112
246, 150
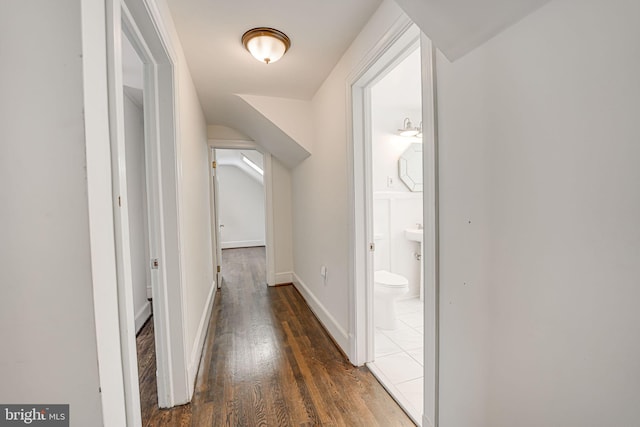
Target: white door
215, 219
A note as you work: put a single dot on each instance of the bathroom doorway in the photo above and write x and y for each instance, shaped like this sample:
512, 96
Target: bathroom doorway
396, 194
394, 223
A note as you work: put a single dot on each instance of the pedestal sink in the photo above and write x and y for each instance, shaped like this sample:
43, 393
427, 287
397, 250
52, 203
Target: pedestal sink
416, 235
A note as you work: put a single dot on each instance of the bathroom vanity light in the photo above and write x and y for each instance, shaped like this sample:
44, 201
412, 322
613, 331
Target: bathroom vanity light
252, 165
266, 44
408, 129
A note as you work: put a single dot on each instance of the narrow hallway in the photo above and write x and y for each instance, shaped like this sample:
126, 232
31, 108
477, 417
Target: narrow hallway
267, 361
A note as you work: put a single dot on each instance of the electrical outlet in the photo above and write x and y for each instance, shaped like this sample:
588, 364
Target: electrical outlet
323, 273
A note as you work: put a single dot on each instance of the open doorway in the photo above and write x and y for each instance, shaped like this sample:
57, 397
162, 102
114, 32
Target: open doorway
394, 223
145, 217
103, 29
241, 209
137, 210
396, 193
133, 90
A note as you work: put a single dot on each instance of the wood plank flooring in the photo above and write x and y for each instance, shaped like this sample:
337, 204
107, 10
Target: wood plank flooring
267, 361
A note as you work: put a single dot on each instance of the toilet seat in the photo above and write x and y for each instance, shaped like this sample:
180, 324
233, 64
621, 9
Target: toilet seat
389, 280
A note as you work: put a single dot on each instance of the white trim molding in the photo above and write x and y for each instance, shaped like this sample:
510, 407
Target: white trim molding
431, 258
284, 278
201, 334
142, 315
394, 46
332, 326
101, 221
144, 23
242, 244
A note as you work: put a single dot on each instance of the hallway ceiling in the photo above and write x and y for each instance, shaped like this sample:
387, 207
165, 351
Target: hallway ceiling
210, 32
320, 31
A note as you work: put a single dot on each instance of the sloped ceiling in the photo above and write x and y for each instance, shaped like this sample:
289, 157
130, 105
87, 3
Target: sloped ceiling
234, 158
456, 27
293, 116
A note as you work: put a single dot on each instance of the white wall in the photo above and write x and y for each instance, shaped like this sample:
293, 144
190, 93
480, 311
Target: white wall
540, 244
282, 228
137, 208
241, 208
197, 259
319, 185
47, 325
195, 219
219, 132
538, 210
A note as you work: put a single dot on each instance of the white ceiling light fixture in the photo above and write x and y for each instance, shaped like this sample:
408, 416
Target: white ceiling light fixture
266, 44
408, 129
252, 165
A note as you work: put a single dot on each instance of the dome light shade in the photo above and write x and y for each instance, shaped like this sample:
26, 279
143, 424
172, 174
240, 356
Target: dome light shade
266, 44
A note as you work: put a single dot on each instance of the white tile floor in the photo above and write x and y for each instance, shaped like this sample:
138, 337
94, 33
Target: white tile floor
399, 357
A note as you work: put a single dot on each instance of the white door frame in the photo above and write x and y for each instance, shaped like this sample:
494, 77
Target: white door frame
232, 144
431, 247
122, 234
392, 48
145, 28
101, 221
216, 247
115, 330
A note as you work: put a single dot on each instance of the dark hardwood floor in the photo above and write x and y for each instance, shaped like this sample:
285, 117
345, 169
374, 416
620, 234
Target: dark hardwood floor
267, 361
179, 416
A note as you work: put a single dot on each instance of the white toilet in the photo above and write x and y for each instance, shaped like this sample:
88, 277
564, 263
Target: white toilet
388, 287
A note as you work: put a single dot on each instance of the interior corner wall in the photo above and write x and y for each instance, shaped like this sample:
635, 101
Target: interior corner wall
539, 204
194, 205
320, 192
47, 322
282, 218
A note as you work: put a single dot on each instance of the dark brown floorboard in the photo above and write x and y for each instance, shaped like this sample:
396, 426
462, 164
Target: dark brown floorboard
267, 361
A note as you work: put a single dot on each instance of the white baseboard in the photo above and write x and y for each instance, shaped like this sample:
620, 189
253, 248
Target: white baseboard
284, 278
242, 244
142, 315
196, 351
339, 335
